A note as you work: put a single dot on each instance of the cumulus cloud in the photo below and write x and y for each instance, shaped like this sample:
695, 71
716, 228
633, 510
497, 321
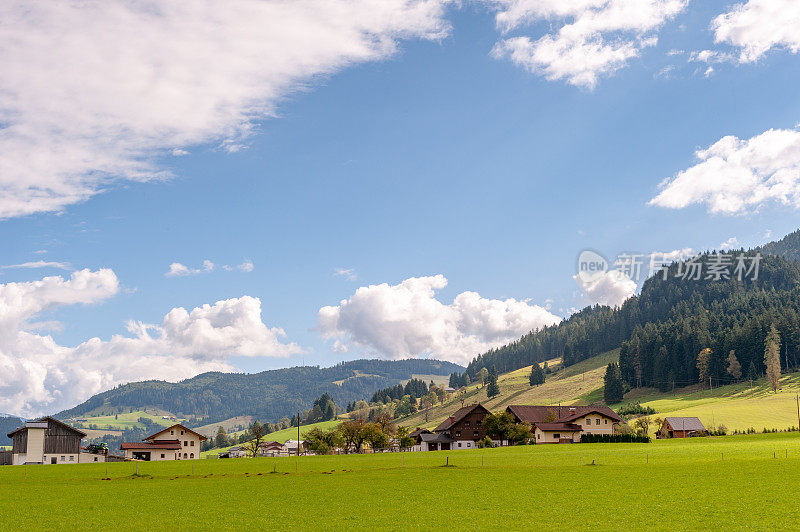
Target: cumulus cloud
731, 243
737, 176
40, 264
407, 320
96, 91
611, 288
38, 375
756, 26
595, 38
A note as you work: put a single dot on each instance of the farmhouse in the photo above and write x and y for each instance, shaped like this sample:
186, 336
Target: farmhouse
173, 443
271, 448
462, 430
681, 427
49, 441
565, 424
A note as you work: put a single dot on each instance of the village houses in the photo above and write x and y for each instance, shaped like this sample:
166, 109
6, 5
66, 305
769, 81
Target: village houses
48, 441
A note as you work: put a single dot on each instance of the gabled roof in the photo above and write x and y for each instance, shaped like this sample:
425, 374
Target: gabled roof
684, 423
170, 445
48, 420
436, 438
417, 431
173, 427
552, 427
458, 415
537, 414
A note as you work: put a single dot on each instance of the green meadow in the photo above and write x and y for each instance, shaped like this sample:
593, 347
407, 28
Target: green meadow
735, 482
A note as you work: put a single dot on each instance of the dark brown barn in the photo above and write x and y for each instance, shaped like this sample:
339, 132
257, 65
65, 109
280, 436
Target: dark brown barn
462, 430
46, 441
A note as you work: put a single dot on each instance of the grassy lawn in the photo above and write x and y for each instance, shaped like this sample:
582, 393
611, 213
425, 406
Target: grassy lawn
631, 486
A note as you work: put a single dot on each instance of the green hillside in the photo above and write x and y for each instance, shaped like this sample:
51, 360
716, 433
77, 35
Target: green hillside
737, 406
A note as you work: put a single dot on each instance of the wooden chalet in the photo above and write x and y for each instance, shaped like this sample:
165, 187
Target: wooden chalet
681, 427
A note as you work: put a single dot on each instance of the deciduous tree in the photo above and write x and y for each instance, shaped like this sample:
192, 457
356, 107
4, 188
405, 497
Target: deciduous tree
772, 357
734, 368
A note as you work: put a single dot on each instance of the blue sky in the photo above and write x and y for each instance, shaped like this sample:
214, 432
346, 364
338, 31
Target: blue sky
440, 158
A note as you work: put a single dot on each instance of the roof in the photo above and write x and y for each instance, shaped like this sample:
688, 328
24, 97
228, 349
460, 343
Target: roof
270, 445
48, 420
173, 427
458, 415
537, 414
684, 423
436, 438
417, 431
552, 427
171, 445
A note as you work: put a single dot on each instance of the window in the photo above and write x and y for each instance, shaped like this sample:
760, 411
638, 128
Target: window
478, 423
606, 421
181, 433
475, 434
192, 444
186, 443
556, 436
95, 459
458, 433
459, 444
538, 436
191, 455
62, 458
466, 423
71, 458
597, 421
184, 455
162, 455
171, 432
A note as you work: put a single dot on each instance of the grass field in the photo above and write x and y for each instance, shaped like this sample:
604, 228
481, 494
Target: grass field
735, 483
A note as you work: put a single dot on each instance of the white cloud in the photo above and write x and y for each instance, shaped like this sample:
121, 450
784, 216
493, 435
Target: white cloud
246, 266
406, 320
347, 273
736, 176
612, 288
731, 243
37, 375
176, 269
709, 57
756, 26
595, 37
40, 264
94, 92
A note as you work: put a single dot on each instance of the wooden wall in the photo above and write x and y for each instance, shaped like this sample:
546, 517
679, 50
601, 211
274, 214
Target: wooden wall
61, 440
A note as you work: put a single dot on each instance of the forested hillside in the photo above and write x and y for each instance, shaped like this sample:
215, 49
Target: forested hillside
661, 331
7, 424
267, 396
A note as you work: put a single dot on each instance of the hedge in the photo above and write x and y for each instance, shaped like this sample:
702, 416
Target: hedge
614, 438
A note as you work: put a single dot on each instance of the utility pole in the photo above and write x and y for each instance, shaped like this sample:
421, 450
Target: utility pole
797, 398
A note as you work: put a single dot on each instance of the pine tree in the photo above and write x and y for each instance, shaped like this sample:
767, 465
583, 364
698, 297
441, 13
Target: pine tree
492, 389
537, 375
734, 368
772, 357
613, 389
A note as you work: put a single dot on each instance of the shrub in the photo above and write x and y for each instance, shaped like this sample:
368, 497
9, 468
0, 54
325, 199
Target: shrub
485, 443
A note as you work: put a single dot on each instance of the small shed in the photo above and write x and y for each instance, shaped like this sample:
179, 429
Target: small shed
681, 427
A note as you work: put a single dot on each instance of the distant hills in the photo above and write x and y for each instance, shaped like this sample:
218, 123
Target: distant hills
267, 396
7, 424
661, 331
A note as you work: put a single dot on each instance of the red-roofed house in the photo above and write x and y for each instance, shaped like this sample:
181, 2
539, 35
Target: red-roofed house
565, 424
173, 443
